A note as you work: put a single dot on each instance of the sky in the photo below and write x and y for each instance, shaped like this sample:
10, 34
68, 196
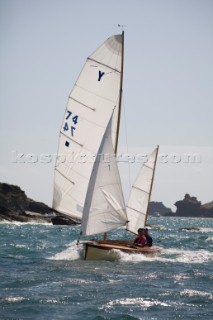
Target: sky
167, 100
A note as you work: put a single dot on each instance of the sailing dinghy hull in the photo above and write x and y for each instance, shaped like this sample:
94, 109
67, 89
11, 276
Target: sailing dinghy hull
107, 250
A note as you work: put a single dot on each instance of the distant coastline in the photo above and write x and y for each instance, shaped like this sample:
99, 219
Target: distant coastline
16, 206
188, 207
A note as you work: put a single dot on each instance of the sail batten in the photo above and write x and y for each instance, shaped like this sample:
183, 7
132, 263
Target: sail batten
148, 167
105, 65
86, 106
70, 139
134, 187
64, 176
135, 210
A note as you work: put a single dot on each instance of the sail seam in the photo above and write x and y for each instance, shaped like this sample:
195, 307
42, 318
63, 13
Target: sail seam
77, 172
105, 65
109, 184
93, 109
93, 93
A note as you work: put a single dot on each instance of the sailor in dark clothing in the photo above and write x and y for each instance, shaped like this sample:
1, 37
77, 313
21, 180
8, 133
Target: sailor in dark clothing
148, 237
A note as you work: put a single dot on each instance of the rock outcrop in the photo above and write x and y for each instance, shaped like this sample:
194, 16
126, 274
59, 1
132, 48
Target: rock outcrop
191, 207
16, 206
158, 209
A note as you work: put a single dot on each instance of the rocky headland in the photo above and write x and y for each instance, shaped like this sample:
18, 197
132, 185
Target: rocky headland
191, 207
158, 209
16, 206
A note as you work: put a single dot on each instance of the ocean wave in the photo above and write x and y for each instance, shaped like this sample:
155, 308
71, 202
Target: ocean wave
19, 246
141, 302
170, 255
14, 299
17, 223
192, 293
210, 238
189, 256
73, 252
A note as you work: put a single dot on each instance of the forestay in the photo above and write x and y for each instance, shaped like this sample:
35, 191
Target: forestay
140, 194
104, 207
95, 94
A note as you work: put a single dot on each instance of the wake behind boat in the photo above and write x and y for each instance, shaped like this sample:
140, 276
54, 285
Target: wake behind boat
91, 190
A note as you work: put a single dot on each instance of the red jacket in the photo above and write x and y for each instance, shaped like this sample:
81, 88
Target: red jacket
140, 240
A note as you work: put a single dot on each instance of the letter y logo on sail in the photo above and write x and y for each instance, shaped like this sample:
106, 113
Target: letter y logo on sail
100, 75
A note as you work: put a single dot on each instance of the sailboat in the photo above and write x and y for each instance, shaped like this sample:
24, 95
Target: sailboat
105, 209
87, 186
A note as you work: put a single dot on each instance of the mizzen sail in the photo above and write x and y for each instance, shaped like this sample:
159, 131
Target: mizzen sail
137, 207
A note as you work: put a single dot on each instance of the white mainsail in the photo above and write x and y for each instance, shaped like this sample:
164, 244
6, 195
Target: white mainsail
137, 206
95, 94
104, 207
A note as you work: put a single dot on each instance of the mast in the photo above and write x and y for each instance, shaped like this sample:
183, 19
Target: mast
147, 210
120, 95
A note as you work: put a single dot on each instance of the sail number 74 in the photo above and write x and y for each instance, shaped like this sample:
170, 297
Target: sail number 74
67, 125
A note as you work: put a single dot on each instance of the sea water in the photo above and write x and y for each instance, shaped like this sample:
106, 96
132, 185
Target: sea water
43, 274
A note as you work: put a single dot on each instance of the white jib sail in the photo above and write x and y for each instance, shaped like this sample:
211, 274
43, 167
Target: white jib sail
104, 207
140, 194
95, 94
